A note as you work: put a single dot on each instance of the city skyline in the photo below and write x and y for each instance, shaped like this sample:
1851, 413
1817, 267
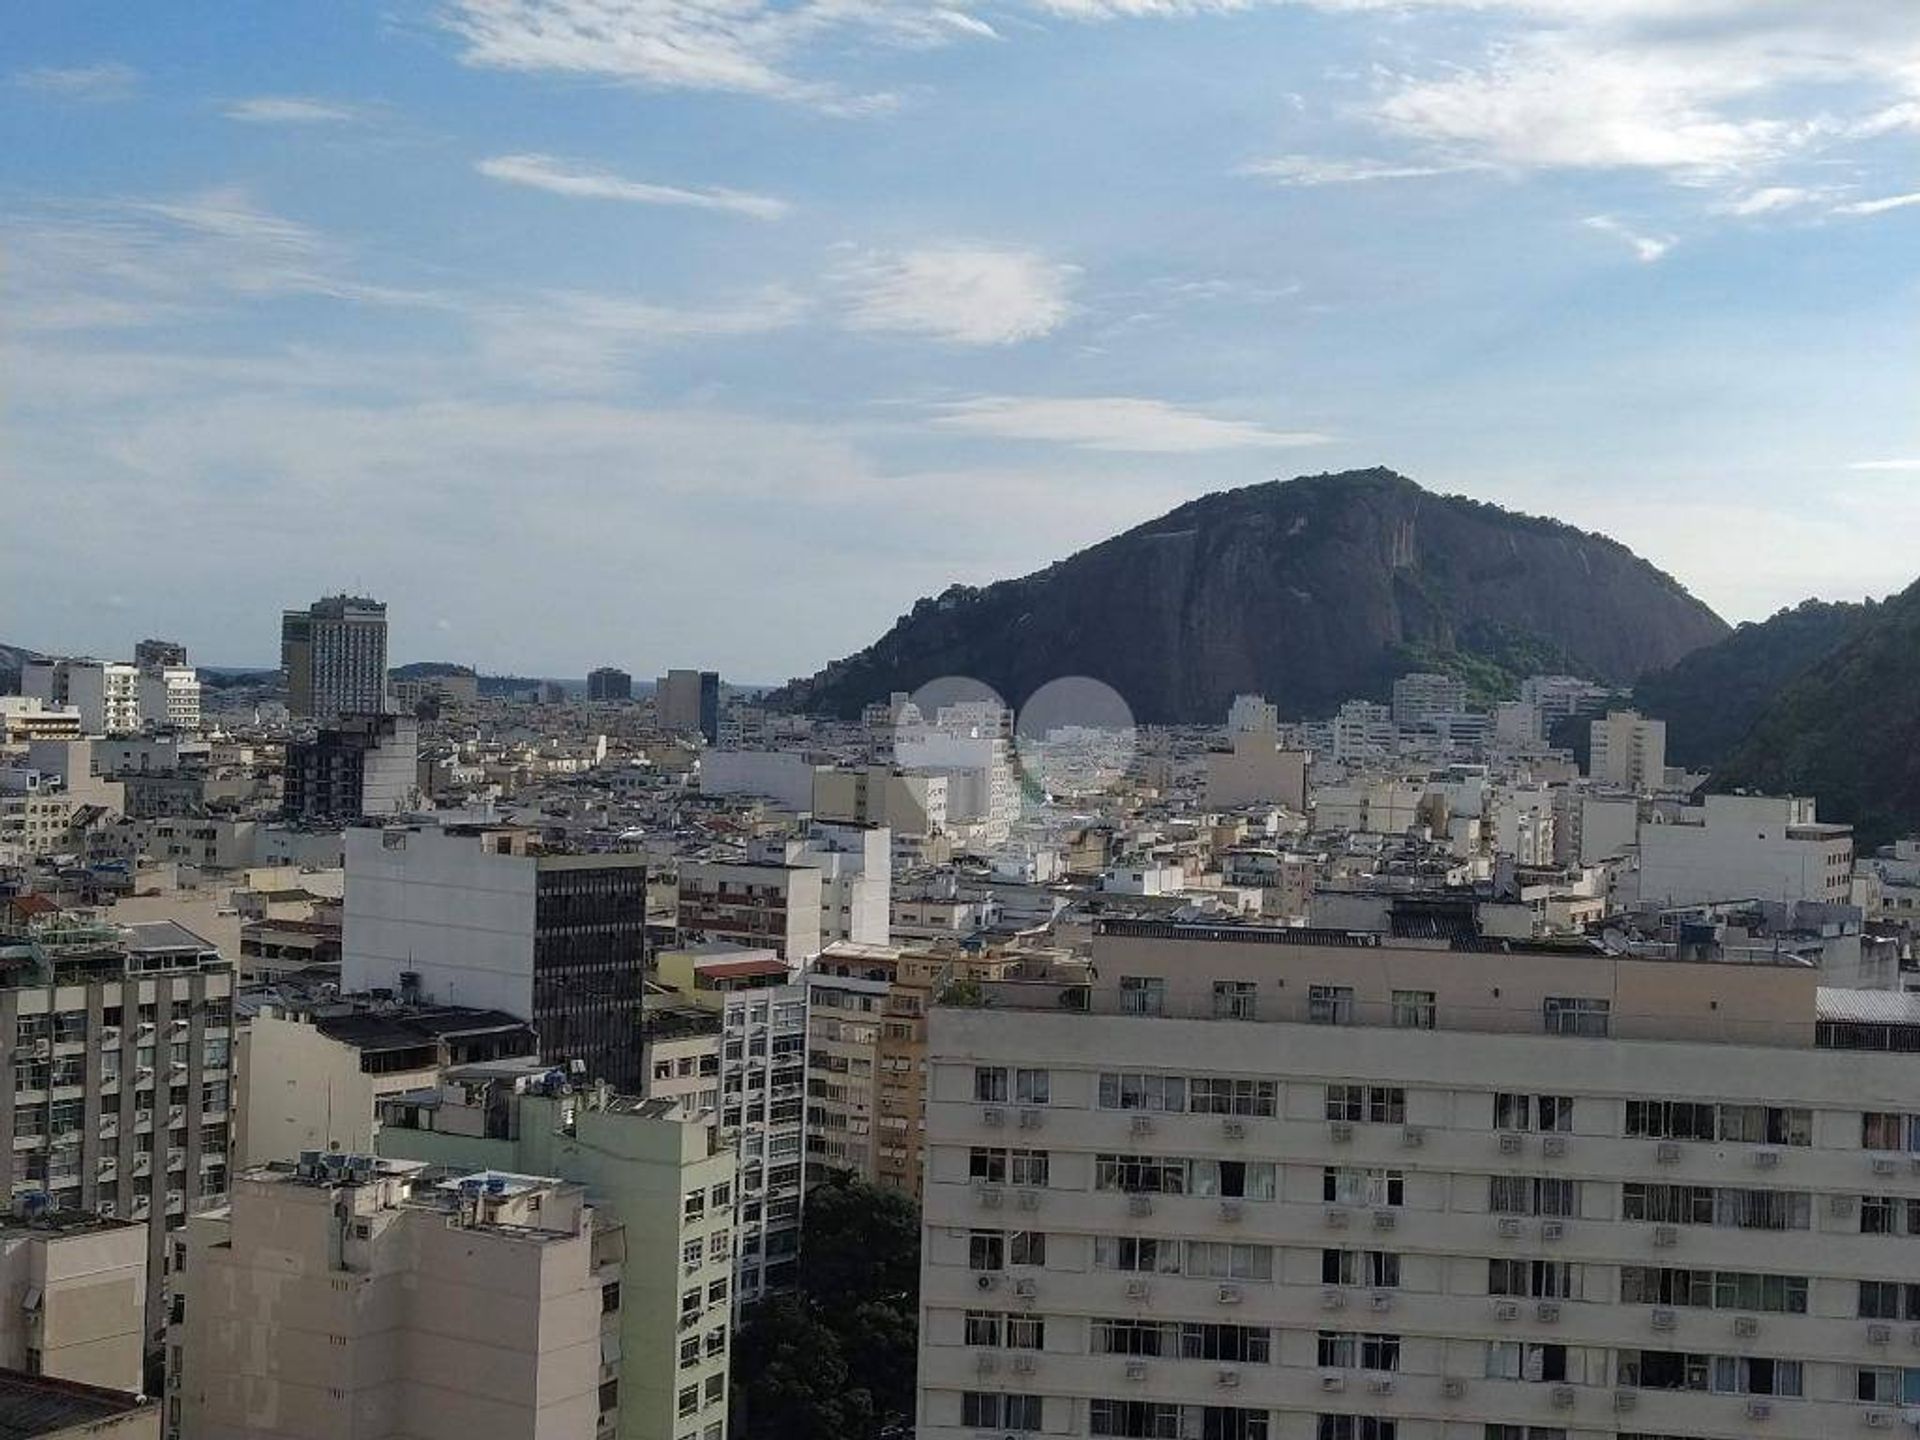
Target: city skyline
891, 297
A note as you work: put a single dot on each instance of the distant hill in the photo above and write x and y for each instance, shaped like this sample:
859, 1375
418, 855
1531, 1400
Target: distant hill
1310, 591
1847, 730
13, 659
1711, 698
428, 670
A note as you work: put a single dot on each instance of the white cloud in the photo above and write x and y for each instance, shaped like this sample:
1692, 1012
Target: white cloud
1319, 170
558, 177
1879, 207
109, 80
1912, 464
1772, 199
1115, 423
1648, 248
289, 110
969, 295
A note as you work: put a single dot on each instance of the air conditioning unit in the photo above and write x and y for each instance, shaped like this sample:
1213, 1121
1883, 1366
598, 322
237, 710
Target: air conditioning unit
1413, 1137
1553, 1230
1665, 1319
985, 1282
1138, 1290
1547, 1312
1029, 1200
1340, 1131
1883, 1165
1136, 1369
1508, 1227
1666, 1236
1234, 1129
1030, 1120
1625, 1399
1231, 1210
991, 1197
1333, 1300
1879, 1334
1745, 1326
1914, 1335
1333, 1384
1553, 1146
1141, 1125
993, 1117
1505, 1310
1229, 1295
1452, 1388
1759, 1409
1380, 1385
1510, 1143
986, 1363
1337, 1218
1139, 1204
1024, 1365
1879, 1419
1563, 1397
1025, 1289
1766, 1159
1667, 1153
1227, 1379
1385, 1219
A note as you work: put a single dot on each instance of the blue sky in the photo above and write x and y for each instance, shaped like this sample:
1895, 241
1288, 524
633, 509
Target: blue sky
715, 332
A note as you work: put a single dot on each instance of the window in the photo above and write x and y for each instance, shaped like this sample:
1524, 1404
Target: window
1219, 1260
1135, 1337
1754, 1375
1355, 1427
1884, 1215
990, 1084
1026, 1332
1135, 1090
983, 1327
1532, 1112
1885, 1385
1577, 1015
1339, 1349
1135, 1255
1379, 1352
1363, 1187
695, 1206
689, 1402
1235, 1097
1028, 1167
1378, 1104
987, 1165
1763, 1209
1379, 1269
1159, 1420
692, 1252
1413, 1009
1667, 1204
1533, 1279
1235, 1179
1888, 1300
1522, 1360
1346, 1102
1330, 1004
1533, 1195
1143, 995
689, 1351
1235, 1000
1669, 1120
1525, 1432
1889, 1130
1766, 1125
988, 1411
986, 1250
1027, 1247
1237, 1344
1031, 1087
1140, 1175
1663, 1370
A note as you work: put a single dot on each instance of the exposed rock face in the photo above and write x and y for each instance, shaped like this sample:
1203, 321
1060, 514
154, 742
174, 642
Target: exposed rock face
1310, 591
1847, 730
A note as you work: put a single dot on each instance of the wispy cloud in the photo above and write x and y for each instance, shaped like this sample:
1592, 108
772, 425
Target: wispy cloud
108, 80
1647, 248
1773, 200
290, 110
1115, 423
1310, 170
559, 177
969, 295
1880, 206
1907, 464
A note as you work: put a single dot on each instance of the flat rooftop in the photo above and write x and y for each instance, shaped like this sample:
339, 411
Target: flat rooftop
33, 1405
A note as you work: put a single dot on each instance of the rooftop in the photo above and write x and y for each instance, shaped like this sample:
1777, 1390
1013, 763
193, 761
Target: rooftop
33, 1405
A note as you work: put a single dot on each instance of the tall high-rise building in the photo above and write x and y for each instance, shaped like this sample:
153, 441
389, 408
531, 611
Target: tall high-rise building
333, 658
372, 1299
116, 1048
688, 701
159, 654
1308, 1185
1629, 750
483, 916
608, 683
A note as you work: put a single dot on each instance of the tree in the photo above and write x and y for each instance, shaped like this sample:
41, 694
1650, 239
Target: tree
862, 1244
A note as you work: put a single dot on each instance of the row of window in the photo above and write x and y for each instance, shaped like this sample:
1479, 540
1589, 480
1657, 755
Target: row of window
1155, 1420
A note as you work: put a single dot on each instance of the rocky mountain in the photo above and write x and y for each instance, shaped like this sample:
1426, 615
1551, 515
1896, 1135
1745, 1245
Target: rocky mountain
1310, 591
1847, 730
1711, 698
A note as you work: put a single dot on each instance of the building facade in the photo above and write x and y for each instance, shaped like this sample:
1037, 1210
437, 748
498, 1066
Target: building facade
608, 683
357, 767
333, 658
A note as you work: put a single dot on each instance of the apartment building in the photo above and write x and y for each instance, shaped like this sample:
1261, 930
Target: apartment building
761, 1005
609, 683
1422, 699
1246, 1185
483, 916
333, 658
106, 693
847, 990
118, 1057
359, 766
1628, 751
74, 1288
666, 1175
771, 902
688, 702
1745, 847
169, 697
368, 1299
40, 1407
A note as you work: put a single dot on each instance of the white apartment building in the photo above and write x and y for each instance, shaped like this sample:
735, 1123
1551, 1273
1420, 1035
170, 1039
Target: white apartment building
1313, 1186
1629, 752
169, 697
1422, 699
371, 1299
1745, 847
76, 1290
105, 692
771, 901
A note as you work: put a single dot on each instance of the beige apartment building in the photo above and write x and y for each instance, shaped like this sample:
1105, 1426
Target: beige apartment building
73, 1290
1305, 1185
361, 1299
